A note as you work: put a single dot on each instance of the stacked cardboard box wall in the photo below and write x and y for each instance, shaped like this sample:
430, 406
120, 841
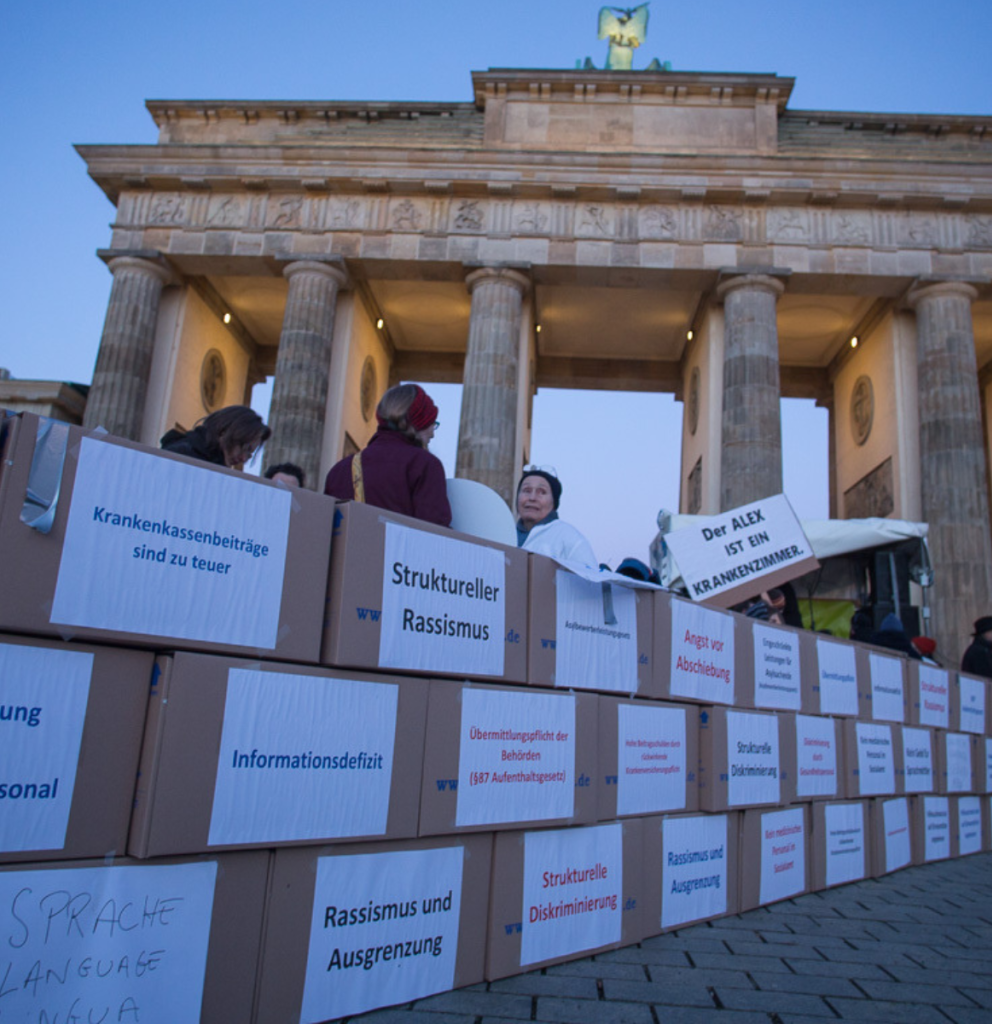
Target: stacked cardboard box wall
266, 758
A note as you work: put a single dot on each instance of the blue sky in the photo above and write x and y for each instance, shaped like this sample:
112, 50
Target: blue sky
80, 73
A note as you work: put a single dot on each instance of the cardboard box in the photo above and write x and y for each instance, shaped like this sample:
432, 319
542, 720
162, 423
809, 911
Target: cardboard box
564, 893
882, 689
414, 911
408, 596
173, 940
929, 701
839, 842
930, 828
987, 822
774, 860
151, 549
691, 869
835, 680
969, 699
240, 754
916, 759
812, 756
500, 758
891, 844
648, 758
870, 766
740, 760
955, 762
968, 835
981, 749
589, 635
71, 719
781, 663
696, 654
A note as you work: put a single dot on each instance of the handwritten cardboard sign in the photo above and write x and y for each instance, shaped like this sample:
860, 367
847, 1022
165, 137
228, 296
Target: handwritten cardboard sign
730, 557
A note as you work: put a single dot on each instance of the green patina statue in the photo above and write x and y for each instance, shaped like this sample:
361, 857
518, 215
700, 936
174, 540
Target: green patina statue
625, 27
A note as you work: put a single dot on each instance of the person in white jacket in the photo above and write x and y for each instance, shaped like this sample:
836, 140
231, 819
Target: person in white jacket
538, 527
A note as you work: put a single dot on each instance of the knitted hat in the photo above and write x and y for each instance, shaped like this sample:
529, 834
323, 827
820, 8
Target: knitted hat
925, 644
553, 482
422, 412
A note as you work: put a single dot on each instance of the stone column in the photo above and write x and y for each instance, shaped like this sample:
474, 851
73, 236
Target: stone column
303, 366
751, 448
116, 400
953, 483
487, 431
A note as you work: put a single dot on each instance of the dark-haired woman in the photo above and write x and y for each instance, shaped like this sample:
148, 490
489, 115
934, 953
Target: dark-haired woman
396, 471
228, 437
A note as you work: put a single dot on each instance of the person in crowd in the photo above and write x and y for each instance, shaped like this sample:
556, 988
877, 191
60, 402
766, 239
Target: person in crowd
286, 473
395, 471
538, 527
862, 626
636, 570
228, 437
977, 660
892, 635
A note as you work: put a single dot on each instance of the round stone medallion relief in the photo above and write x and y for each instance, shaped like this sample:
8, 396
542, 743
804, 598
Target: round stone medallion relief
368, 388
694, 400
862, 409
213, 381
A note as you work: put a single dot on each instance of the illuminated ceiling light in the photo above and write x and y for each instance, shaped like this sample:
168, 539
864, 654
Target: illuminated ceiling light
854, 342
689, 335
537, 329
380, 323
227, 318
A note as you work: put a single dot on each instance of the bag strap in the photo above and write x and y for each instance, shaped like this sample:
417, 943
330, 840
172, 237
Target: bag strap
357, 482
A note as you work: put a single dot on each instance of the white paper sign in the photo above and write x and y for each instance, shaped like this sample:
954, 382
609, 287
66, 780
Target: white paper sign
887, 693
596, 646
816, 756
783, 855
895, 821
702, 654
384, 930
105, 943
573, 889
934, 696
838, 677
776, 669
753, 763
694, 871
845, 839
969, 825
302, 757
972, 695
443, 604
739, 547
917, 756
43, 696
988, 766
876, 763
651, 759
957, 747
161, 547
936, 828
516, 757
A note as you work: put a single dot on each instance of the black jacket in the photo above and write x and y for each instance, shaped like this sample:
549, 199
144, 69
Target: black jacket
195, 444
977, 660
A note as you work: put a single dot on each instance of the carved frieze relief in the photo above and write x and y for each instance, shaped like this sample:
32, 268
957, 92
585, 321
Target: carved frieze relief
788, 224
722, 224
658, 222
168, 208
407, 215
851, 227
469, 215
531, 218
594, 220
346, 213
978, 231
225, 212
284, 212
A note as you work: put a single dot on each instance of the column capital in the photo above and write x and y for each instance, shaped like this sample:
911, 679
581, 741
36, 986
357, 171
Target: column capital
149, 261
767, 279
927, 288
333, 269
517, 275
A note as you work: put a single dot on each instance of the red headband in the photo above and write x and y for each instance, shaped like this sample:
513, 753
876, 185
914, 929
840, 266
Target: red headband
422, 412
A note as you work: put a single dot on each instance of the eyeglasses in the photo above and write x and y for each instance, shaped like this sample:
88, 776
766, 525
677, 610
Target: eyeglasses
550, 470
436, 424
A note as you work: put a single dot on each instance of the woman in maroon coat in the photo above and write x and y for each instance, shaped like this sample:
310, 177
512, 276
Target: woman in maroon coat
396, 470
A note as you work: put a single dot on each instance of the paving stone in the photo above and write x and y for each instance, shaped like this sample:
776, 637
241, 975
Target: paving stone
535, 984
490, 1004
702, 976
667, 992
687, 943
980, 996
875, 954
773, 1002
728, 961
876, 1012
967, 1015
694, 1015
402, 1015
579, 1011
777, 949
599, 969
635, 955
959, 979
812, 984
797, 938
918, 992
840, 969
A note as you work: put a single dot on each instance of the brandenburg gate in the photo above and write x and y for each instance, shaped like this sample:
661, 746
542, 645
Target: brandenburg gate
632, 230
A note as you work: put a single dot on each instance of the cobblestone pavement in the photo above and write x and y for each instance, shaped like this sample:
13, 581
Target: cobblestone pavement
914, 946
